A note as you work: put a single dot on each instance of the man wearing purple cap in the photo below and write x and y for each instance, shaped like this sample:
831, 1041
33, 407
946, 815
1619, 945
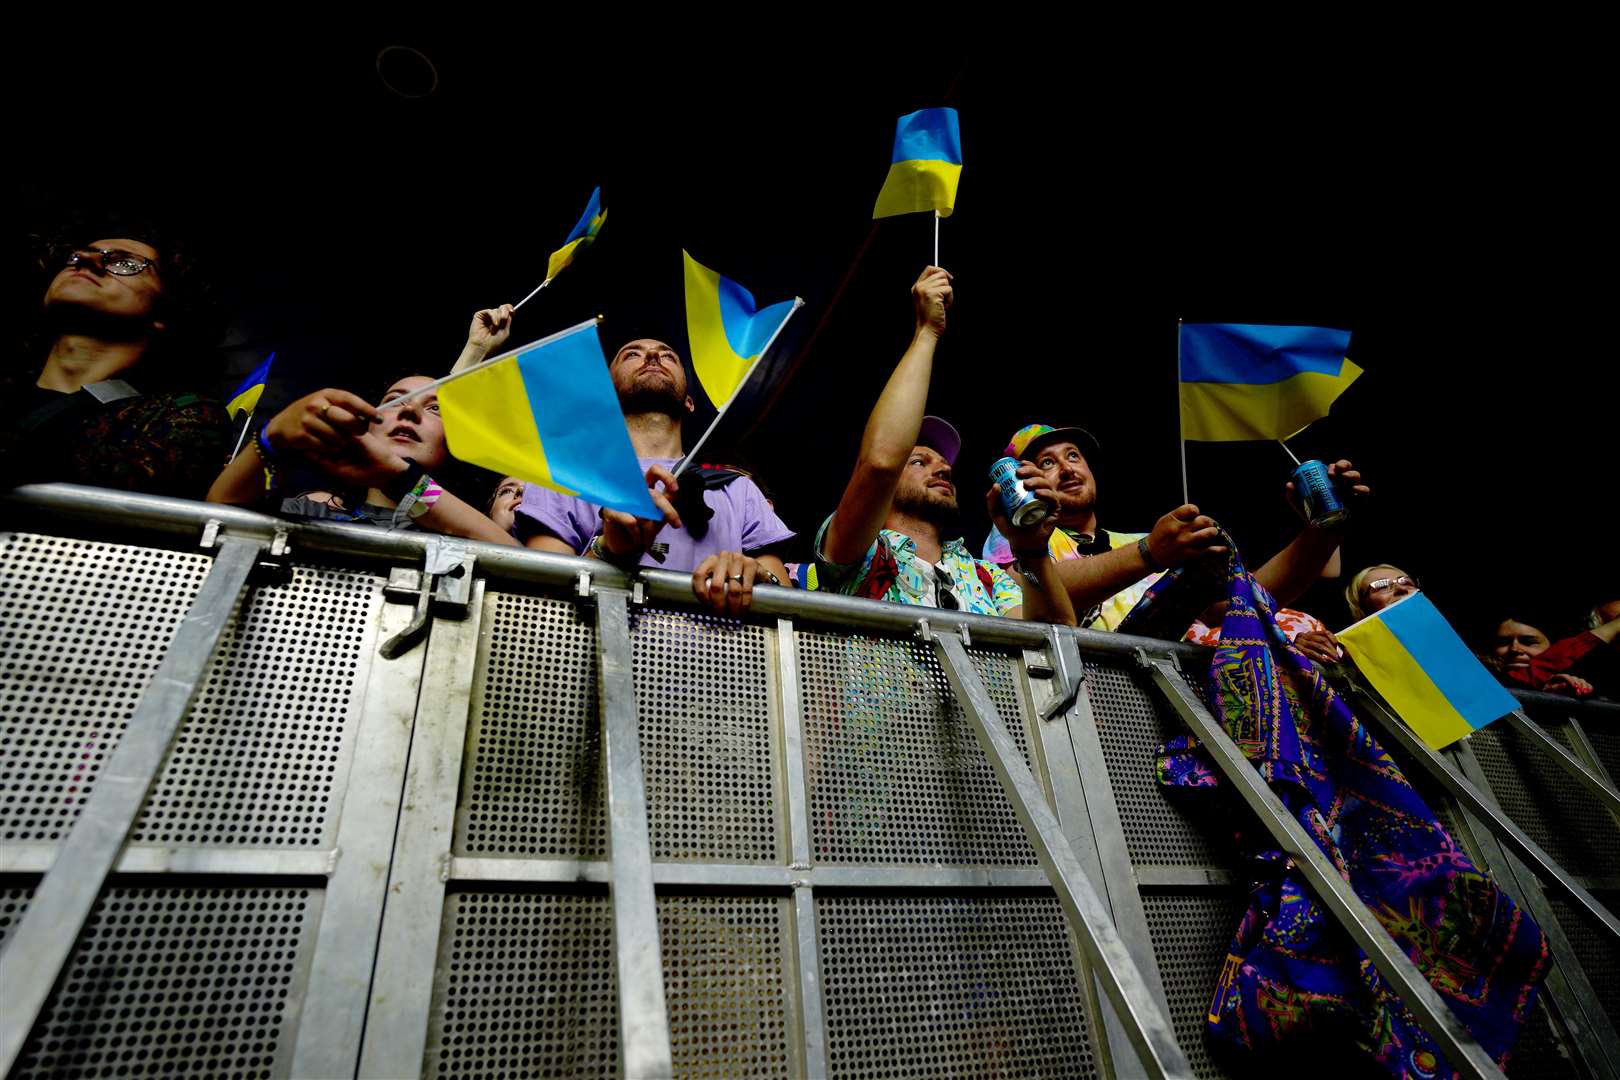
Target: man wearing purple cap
1106, 573
886, 540
730, 536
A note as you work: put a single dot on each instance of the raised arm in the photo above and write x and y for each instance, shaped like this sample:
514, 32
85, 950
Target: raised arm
487, 334
891, 430
1294, 569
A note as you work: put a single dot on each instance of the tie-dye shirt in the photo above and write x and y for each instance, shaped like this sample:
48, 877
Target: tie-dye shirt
892, 570
1066, 545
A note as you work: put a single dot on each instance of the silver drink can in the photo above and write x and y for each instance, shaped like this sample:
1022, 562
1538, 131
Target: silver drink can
1022, 508
1315, 488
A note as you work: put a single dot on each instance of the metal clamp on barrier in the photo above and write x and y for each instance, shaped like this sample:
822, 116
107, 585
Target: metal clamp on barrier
1336, 895
1146, 1024
1063, 663
443, 587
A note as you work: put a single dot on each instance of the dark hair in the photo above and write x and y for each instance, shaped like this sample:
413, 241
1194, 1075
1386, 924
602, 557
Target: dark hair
189, 306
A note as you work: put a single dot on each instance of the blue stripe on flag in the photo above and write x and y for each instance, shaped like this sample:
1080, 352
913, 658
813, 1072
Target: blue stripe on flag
1251, 354
1455, 672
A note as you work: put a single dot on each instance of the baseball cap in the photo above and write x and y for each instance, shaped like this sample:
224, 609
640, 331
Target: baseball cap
940, 436
1028, 440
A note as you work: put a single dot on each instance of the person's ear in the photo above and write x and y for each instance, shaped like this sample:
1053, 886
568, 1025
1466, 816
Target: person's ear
690, 407
159, 326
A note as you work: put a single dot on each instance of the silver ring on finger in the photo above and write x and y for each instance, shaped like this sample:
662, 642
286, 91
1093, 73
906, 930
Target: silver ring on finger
737, 578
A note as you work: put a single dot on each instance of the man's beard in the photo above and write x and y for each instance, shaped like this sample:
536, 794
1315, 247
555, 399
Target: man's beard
932, 507
646, 398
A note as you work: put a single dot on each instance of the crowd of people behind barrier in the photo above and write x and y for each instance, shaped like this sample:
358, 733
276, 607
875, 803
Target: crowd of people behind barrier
110, 393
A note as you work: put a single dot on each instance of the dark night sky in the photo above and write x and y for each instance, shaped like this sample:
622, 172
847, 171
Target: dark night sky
1450, 220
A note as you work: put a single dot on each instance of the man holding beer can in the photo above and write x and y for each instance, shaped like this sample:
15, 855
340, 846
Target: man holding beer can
1106, 573
890, 537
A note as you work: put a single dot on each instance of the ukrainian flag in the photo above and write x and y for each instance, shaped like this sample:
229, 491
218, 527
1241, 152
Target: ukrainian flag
590, 222
926, 167
548, 414
247, 396
727, 334
1416, 661
1241, 381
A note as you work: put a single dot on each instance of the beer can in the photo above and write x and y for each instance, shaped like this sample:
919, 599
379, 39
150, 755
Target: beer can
1315, 488
1022, 508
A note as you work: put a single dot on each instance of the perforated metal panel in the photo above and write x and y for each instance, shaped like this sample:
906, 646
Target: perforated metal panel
951, 986
527, 986
1191, 933
1537, 794
532, 779
172, 981
1130, 728
707, 744
1597, 952
1604, 735
895, 772
256, 761
83, 627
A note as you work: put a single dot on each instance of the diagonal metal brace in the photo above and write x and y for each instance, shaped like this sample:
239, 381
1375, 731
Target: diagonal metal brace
1145, 1022
1334, 892
1570, 763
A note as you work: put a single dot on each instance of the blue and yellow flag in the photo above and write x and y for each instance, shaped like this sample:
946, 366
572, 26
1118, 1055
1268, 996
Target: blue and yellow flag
247, 396
926, 167
547, 413
1416, 661
1241, 381
726, 332
590, 222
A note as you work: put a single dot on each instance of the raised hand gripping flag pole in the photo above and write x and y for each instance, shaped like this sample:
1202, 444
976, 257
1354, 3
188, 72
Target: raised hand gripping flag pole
246, 399
728, 336
583, 235
546, 413
925, 168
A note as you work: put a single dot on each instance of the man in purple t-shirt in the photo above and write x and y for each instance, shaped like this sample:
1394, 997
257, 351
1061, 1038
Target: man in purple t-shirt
739, 544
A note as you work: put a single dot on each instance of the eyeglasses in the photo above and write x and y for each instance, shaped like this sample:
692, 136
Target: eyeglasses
947, 598
113, 260
1390, 582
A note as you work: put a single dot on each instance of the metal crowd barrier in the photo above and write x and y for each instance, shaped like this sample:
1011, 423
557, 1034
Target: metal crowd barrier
302, 799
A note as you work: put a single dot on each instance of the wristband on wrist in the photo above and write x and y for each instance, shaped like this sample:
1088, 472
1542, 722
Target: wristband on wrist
597, 549
419, 500
1147, 555
267, 458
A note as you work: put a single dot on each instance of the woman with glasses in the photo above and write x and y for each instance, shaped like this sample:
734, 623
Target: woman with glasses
107, 390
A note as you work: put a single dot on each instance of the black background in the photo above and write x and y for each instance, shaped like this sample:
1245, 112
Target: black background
1453, 218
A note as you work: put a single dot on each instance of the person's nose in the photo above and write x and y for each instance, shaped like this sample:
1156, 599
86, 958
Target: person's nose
408, 413
87, 260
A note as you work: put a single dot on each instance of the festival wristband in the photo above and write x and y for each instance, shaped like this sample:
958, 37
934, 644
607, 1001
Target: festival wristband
1147, 555
422, 497
267, 458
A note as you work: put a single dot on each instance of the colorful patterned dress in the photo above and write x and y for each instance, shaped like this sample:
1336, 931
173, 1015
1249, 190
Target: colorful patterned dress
1291, 973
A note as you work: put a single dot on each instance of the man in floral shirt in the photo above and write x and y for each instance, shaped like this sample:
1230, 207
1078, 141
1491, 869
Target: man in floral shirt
886, 540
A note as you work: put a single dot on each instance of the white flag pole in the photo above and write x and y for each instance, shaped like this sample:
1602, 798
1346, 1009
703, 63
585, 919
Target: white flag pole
936, 237
531, 295
436, 383
1181, 424
691, 455
1290, 452
246, 423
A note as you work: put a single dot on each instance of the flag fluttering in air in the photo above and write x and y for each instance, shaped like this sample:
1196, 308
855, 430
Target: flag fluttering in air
1243, 381
1416, 661
547, 413
590, 223
246, 398
927, 165
727, 333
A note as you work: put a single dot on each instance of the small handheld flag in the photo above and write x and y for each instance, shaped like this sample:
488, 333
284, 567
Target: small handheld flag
926, 165
727, 333
547, 413
246, 398
1243, 381
583, 234
1416, 661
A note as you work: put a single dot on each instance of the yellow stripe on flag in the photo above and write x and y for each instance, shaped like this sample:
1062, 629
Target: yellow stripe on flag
1228, 412
914, 186
246, 401
488, 422
1410, 692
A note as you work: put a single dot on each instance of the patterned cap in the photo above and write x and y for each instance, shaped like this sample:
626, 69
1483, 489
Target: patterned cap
1030, 438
